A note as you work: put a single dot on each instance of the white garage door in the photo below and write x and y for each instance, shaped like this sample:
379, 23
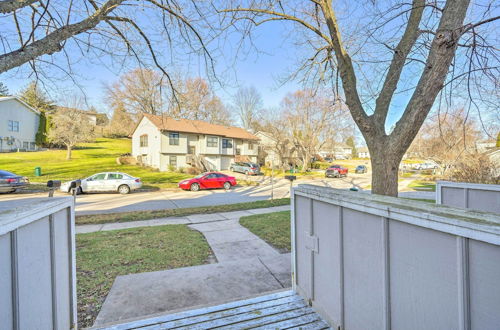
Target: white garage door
226, 162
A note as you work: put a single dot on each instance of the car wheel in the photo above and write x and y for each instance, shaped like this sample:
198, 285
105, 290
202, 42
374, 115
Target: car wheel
194, 187
227, 185
123, 189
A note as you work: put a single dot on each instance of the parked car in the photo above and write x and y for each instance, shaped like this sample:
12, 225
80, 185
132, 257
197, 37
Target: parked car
328, 159
245, 167
208, 180
360, 169
10, 182
106, 181
336, 171
425, 166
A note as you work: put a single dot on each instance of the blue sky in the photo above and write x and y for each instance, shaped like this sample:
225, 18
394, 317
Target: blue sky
261, 70
277, 56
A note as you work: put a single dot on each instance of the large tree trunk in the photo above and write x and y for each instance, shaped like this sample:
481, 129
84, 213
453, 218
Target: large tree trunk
385, 167
68, 152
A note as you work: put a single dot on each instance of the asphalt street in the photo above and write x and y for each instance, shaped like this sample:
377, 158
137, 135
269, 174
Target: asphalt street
164, 199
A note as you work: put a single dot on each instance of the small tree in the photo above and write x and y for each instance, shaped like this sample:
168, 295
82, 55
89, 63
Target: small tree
36, 98
350, 142
122, 123
70, 127
4, 91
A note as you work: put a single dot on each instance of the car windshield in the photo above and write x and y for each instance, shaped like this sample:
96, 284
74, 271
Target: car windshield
199, 176
5, 173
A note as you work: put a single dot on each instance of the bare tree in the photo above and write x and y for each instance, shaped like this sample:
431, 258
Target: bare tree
69, 127
279, 143
447, 138
197, 101
428, 35
139, 91
309, 120
247, 102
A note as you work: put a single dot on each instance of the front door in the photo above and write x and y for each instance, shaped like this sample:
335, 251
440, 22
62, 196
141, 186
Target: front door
192, 150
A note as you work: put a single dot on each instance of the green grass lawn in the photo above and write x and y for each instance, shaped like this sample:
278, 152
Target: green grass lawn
102, 256
422, 185
154, 214
87, 159
274, 228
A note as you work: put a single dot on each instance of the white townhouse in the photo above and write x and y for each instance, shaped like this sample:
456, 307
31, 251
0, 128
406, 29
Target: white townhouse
18, 126
164, 142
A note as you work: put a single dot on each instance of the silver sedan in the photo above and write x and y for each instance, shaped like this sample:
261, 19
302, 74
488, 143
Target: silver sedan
106, 181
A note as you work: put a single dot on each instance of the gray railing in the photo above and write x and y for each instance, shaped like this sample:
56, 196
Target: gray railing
377, 262
482, 197
37, 264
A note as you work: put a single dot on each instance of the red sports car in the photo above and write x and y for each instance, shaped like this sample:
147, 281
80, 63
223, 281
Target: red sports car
208, 180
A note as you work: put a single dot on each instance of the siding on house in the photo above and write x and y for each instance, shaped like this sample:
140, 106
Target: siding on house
18, 126
169, 148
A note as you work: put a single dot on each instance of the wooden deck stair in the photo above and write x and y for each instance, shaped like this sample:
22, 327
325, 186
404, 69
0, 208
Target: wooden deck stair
282, 310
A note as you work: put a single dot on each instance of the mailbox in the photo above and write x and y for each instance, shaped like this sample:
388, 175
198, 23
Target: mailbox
290, 177
54, 184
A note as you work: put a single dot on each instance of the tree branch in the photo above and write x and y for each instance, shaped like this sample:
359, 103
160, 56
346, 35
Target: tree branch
8, 6
283, 16
346, 69
431, 81
51, 43
397, 64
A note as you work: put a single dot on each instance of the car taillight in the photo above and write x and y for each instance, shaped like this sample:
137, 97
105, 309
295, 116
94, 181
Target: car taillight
11, 180
137, 180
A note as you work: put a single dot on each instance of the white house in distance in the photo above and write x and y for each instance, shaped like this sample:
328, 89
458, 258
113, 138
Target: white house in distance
19, 125
363, 152
338, 151
165, 142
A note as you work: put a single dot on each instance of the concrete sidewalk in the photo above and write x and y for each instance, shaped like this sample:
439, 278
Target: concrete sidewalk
190, 219
247, 266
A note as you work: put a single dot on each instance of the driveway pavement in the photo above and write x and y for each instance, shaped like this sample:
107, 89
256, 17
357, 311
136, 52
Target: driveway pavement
246, 266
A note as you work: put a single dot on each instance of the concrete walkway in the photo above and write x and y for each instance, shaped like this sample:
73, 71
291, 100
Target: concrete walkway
247, 266
189, 219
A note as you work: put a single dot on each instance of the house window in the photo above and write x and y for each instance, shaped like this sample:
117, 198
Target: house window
173, 139
238, 151
172, 161
144, 140
32, 145
212, 141
26, 145
13, 126
250, 146
227, 143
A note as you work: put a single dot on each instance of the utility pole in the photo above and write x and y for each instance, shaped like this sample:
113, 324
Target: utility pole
272, 179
